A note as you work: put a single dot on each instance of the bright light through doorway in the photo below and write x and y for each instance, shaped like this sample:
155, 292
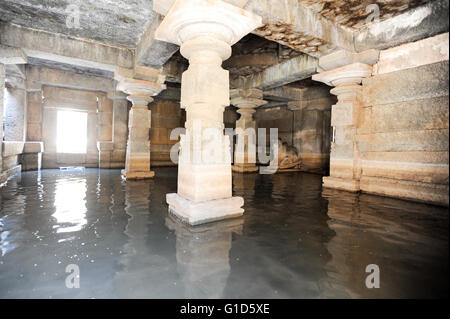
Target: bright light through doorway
71, 132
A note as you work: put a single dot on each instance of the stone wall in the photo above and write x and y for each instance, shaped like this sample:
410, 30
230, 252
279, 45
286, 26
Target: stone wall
14, 114
312, 128
404, 127
120, 132
166, 115
304, 124
13, 120
280, 118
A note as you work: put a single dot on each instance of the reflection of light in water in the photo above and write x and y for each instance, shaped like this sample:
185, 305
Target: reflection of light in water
70, 205
5, 245
11, 207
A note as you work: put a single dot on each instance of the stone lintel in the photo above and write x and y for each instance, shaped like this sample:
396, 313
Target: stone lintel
33, 147
12, 55
11, 148
38, 76
140, 73
293, 70
342, 58
151, 52
116, 95
41, 44
246, 93
283, 94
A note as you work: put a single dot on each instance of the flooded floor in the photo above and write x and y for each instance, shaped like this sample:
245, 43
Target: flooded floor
294, 241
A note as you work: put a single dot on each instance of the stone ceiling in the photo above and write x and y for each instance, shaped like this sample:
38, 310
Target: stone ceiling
253, 54
352, 13
113, 22
122, 22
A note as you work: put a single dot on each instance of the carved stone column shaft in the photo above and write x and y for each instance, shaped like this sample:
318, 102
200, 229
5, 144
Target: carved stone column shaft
205, 31
345, 160
137, 164
245, 152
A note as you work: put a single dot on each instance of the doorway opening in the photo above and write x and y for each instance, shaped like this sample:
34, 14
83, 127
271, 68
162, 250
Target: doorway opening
71, 132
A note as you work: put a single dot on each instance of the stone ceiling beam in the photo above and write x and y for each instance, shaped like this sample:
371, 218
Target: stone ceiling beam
38, 76
11, 55
64, 49
419, 23
151, 52
283, 94
293, 24
173, 71
293, 70
290, 23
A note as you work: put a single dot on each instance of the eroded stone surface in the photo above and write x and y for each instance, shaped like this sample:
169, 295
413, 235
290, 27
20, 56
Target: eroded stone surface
120, 24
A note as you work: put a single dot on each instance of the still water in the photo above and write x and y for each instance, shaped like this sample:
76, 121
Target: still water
294, 241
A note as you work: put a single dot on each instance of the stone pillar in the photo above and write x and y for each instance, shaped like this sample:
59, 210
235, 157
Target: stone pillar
247, 101
120, 128
137, 164
2, 107
104, 131
205, 30
8, 56
31, 158
345, 71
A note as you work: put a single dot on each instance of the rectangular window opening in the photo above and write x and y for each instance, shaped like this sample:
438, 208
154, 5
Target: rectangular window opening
71, 132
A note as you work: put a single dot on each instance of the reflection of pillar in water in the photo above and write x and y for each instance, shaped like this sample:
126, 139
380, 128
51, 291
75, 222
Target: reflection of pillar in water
131, 282
203, 255
341, 275
244, 185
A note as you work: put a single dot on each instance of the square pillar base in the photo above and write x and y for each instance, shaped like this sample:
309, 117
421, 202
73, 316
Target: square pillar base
245, 169
31, 161
348, 185
193, 213
137, 175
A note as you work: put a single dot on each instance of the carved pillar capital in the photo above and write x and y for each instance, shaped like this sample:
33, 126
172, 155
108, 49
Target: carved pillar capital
140, 92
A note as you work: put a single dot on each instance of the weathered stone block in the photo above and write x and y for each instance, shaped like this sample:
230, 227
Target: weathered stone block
416, 191
204, 182
33, 147
12, 148
415, 54
424, 82
31, 161
427, 114
421, 140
